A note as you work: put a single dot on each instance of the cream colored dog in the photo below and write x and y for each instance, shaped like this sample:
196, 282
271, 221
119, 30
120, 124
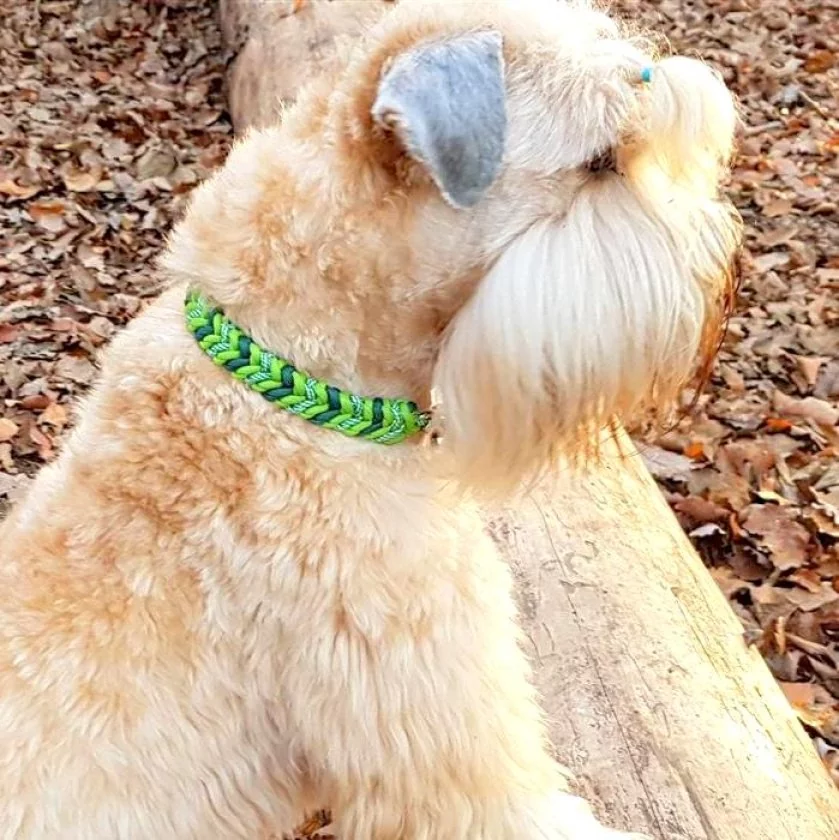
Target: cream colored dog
215, 615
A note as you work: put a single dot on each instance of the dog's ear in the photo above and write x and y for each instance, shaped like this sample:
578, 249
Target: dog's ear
445, 101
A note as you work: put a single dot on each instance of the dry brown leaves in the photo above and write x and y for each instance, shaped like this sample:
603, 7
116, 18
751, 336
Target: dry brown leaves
112, 111
753, 474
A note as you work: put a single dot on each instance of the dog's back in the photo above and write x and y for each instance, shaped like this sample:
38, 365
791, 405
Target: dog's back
120, 682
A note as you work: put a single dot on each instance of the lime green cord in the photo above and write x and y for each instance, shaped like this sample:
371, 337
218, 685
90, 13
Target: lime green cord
376, 419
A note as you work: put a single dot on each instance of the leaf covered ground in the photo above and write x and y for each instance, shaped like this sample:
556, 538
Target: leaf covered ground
753, 472
110, 112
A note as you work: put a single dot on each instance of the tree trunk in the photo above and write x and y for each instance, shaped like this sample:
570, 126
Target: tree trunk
672, 725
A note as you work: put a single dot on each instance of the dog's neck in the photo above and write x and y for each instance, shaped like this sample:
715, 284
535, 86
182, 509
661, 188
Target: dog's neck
321, 266
386, 421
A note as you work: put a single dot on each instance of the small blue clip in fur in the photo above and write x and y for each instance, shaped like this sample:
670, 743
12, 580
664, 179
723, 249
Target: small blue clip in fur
647, 75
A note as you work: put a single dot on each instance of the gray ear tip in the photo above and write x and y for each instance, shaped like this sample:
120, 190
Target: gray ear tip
446, 102
464, 199
491, 35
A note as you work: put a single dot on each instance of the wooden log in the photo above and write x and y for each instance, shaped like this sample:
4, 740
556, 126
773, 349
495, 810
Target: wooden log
671, 724
267, 69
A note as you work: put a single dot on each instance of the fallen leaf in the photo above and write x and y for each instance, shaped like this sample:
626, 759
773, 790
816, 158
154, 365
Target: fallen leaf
810, 367
733, 379
810, 408
64, 325
666, 465
804, 694
770, 261
777, 424
734, 526
822, 523
701, 510
820, 62
809, 601
710, 529
156, 162
8, 333
728, 582
43, 443
76, 369
827, 386
786, 540
827, 275
100, 329
807, 579
747, 458
777, 207
15, 190
55, 414
826, 512
779, 634
48, 215
80, 181
745, 563
8, 429
830, 758
695, 451
90, 257
13, 486
35, 402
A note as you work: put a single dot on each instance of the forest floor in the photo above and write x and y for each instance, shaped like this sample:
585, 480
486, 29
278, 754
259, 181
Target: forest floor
111, 112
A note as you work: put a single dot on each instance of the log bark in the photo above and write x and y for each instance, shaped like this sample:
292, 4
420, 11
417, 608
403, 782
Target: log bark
671, 724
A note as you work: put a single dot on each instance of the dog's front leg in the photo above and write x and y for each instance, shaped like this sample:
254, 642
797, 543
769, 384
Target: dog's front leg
433, 771
562, 816
431, 731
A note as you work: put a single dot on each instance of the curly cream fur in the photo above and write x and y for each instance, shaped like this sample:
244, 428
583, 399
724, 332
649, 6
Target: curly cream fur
214, 616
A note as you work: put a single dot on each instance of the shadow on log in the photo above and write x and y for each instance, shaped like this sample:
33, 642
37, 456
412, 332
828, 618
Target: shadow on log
671, 724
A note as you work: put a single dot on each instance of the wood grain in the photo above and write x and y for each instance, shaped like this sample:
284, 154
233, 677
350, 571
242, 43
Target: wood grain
670, 723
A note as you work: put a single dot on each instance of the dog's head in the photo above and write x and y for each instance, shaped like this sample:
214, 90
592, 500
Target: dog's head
584, 174
542, 184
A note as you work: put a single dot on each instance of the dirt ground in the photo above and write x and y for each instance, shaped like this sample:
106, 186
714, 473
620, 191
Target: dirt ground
111, 112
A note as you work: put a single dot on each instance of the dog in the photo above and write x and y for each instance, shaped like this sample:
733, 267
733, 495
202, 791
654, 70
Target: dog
256, 581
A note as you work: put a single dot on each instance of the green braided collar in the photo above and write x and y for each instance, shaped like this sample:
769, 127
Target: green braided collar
377, 419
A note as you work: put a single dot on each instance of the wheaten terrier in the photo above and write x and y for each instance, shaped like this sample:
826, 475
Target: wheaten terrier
244, 591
